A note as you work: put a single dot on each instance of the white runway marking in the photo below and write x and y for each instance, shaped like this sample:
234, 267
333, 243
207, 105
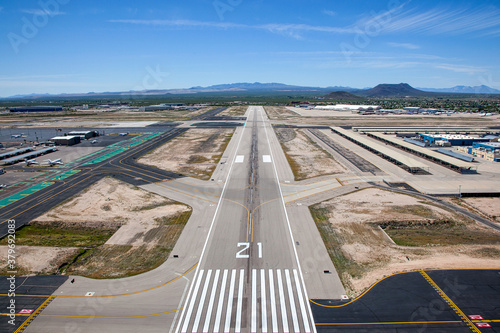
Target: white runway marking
283, 307
227, 327
202, 301
263, 300
239, 159
284, 317
253, 315
221, 302
266, 158
240, 302
191, 305
292, 301
211, 302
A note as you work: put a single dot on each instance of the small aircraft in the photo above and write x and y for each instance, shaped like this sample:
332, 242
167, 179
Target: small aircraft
55, 162
124, 134
94, 141
30, 162
15, 136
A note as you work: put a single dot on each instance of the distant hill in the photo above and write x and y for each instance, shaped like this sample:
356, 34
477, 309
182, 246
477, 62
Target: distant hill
259, 86
464, 90
382, 90
341, 95
393, 90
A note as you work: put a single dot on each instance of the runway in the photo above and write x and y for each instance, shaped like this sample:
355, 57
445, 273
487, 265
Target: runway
249, 278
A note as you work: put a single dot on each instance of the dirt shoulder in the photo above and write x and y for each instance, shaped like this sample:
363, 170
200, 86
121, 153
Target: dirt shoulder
306, 158
195, 153
363, 252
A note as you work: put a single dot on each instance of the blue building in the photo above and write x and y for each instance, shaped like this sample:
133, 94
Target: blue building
453, 139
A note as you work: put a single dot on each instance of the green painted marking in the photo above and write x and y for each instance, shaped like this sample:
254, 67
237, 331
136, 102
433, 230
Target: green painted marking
153, 136
133, 144
65, 175
24, 193
105, 157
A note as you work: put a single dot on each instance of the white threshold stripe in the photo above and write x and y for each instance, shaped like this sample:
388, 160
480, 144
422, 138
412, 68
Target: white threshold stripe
227, 326
187, 319
303, 311
208, 316
289, 226
273, 302
221, 302
253, 315
202, 301
295, 320
263, 300
239, 305
284, 316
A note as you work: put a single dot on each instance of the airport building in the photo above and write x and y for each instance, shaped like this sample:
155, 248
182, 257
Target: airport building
452, 139
35, 108
489, 151
164, 106
68, 140
84, 135
345, 107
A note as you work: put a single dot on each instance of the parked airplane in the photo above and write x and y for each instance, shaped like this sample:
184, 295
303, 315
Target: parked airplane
94, 141
54, 162
30, 162
17, 135
124, 134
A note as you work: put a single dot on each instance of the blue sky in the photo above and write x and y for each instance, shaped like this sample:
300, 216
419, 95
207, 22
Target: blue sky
65, 46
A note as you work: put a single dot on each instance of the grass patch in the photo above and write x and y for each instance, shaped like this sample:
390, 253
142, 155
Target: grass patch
58, 235
193, 159
115, 261
344, 265
437, 232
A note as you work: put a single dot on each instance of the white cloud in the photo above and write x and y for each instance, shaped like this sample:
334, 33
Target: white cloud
408, 46
435, 21
42, 12
292, 30
329, 13
472, 70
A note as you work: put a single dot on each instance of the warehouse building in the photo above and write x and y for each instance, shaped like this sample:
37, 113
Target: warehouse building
84, 135
453, 139
345, 107
489, 151
68, 140
35, 108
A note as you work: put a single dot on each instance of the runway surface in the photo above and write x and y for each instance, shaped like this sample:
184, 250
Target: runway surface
249, 278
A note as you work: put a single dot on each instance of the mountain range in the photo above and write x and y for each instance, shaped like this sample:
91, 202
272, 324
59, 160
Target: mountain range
381, 90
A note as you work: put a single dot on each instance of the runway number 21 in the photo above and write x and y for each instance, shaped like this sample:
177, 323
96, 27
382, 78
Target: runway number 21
243, 253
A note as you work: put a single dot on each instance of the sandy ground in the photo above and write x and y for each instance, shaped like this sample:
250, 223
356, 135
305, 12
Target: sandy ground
377, 256
488, 206
195, 153
39, 259
111, 202
310, 159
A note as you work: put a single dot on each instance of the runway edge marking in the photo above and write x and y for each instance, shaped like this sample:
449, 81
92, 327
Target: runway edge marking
448, 300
